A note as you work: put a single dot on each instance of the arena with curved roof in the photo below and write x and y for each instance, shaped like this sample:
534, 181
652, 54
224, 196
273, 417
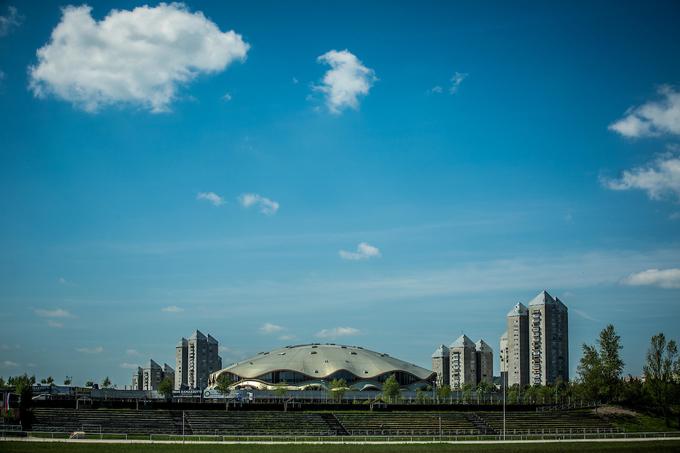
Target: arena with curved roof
314, 366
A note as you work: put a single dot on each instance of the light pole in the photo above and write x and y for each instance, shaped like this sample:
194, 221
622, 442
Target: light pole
505, 377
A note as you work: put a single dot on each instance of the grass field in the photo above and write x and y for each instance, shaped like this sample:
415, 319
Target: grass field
581, 447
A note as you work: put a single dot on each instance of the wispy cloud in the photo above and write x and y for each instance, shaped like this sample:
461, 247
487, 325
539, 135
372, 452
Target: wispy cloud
652, 118
132, 352
94, 350
659, 178
172, 309
663, 278
265, 205
287, 337
269, 328
211, 197
583, 314
456, 80
55, 324
56, 313
364, 251
129, 366
10, 21
10, 364
347, 79
337, 332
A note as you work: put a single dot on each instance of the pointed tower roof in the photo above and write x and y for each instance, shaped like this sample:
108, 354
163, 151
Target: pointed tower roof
561, 304
462, 342
482, 346
211, 339
518, 310
181, 343
441, 351
505, 335
167, 368
197, 335
543, 298
153, 364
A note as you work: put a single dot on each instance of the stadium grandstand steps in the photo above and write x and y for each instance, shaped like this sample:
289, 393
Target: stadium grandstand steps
404, 423
127, 421
546, 422
255, 423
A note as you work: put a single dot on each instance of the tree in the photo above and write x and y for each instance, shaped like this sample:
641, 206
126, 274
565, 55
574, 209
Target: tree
166, 387
391, 388
50, 380
443, 392
661, 371
24, 387
421, 396
68, 380
106, 383
223, 385
338, 388
89, 384
483, 389
467, 392
281, 389
2, 382
600, 369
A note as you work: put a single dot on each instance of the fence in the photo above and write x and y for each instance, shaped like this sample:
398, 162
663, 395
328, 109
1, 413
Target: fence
317, 437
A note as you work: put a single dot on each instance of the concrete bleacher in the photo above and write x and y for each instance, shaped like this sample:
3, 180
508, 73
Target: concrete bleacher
254, 423
396, 423
547, 422
257, 423
127, 421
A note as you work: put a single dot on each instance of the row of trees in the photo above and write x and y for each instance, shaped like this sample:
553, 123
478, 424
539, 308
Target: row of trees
601, 368
49, 380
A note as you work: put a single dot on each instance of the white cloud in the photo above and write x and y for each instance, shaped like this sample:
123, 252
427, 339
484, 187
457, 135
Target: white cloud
11, 21
456, 80
437, 89
674, 215
129, 366
347, 79
364, 251
583, 314
659, 178
95, 350
132, 352
172, 309
56, 313
136, 57
9, 364
265, 205
664, 278
227, 97
652, 118
268, 328
287, 337
55, 324
336, 332
212, 197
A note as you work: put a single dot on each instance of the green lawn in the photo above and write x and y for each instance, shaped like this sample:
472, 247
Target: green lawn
581, 447
642, 423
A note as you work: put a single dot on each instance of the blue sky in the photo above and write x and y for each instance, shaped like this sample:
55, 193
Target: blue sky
388, 175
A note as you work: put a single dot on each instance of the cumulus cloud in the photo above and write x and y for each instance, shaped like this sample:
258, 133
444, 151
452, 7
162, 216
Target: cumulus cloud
265, 205
95, 350
10, 21
663, 278
336, 332
268, 328
138, 57
211, 197
652, 118
659, 178
172, 309
364, 251
456, 80
347, 79
56, 313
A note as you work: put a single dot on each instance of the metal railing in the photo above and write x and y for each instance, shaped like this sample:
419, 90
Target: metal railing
401, 437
